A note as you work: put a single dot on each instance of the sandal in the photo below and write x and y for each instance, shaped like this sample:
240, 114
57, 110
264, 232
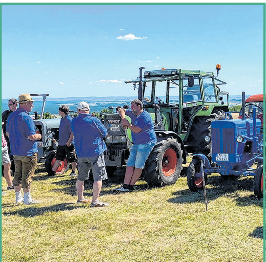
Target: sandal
83, 201
99, 204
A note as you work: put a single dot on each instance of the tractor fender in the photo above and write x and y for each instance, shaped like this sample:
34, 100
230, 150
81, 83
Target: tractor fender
162, 135
205, 160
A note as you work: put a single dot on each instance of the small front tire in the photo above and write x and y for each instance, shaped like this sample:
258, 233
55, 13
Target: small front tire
258, 182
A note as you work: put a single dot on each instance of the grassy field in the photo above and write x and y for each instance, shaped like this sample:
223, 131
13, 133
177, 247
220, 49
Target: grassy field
157, 224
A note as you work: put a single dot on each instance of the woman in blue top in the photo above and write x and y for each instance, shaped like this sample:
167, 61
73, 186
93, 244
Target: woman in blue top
143, 138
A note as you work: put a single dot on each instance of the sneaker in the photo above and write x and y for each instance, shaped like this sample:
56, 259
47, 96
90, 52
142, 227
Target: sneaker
19, 198
10, 188
98, 204
83, 201
73, 174
31, 201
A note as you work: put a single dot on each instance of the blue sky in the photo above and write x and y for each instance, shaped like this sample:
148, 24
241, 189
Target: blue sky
90, 50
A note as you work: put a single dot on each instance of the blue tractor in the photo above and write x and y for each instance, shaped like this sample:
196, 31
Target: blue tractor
237, 150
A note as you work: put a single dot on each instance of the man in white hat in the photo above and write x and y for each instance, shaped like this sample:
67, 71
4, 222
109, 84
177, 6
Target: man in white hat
22, 134
88, 132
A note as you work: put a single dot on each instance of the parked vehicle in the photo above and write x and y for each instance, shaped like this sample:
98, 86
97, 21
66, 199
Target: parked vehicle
237, 145
181, 127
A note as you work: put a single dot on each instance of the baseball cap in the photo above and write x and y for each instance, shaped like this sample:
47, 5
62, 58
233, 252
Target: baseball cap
83, 106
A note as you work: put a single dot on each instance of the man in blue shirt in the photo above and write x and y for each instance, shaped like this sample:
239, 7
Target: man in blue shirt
88, 133
143, 138
22, 134
65, 146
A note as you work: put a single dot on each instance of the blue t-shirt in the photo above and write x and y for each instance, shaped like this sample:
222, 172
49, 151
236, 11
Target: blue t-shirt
88, 135
64, 130
19, 126
145, 123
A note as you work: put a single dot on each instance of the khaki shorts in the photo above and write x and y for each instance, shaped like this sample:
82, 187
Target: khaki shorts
25, 167
96, 164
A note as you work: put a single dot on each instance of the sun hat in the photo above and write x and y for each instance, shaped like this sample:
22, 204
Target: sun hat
83, 106
24, 98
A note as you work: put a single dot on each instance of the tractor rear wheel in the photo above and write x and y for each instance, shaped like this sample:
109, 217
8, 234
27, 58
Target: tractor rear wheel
200, 130
164, 163
258, 182
49, 162
194, 177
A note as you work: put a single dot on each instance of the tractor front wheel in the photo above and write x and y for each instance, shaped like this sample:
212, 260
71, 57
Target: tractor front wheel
164, 163
49, 163
194, 176
258, 182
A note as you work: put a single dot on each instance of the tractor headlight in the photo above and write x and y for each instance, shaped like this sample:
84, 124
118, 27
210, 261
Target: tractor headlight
108, 139
115, 139
119, 139
239, 139
207, 139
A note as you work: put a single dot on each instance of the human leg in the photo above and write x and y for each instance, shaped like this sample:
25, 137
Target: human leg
17, 178
136, 175
80, 190
29, 164
83, 174
128, 175
7, 164
99, 174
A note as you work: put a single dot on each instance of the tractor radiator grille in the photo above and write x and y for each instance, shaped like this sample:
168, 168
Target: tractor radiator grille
223, 140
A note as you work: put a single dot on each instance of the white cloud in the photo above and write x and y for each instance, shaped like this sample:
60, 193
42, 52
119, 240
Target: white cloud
38, 62
109, 81
61, 83
121, 29
129, 37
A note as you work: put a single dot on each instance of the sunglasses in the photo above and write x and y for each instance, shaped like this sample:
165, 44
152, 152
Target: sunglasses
11, 104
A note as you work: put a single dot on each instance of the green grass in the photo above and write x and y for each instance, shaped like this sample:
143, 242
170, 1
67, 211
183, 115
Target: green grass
157, 224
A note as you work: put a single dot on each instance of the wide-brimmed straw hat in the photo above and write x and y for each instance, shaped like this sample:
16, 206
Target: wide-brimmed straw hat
24, 98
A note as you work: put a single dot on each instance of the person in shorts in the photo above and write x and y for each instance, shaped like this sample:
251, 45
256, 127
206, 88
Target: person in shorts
143, 138
89, 134
12, 106
6, 163
65, 147
23, 144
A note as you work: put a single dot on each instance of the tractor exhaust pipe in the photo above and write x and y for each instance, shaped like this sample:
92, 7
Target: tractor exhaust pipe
243, 105
140, 92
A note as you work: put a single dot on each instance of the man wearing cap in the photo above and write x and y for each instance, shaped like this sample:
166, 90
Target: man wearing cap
22, 134
65, 145
89, 132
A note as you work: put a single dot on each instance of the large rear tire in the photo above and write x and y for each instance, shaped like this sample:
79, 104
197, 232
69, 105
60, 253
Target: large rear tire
201, 128
194, 177
164, 163
258, 182
49, 162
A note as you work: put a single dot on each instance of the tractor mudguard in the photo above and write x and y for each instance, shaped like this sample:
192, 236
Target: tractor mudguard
205, 160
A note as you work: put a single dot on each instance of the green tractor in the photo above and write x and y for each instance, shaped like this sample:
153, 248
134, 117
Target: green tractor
182, 120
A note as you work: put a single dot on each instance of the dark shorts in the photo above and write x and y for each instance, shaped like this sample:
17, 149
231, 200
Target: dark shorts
63, 152
25, 167
96, 164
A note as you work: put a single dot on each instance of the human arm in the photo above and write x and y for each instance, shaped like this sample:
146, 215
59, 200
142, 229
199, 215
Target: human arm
125, 123
122, 112
70, 139
35, 137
